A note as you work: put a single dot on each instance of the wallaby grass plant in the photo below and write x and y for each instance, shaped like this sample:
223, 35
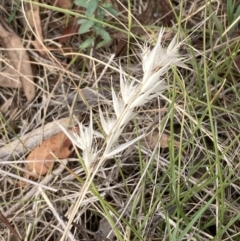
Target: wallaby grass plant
155, 64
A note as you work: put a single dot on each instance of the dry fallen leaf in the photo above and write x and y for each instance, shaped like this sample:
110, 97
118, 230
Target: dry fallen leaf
19, 59
69, 31
43, 156
32, 139
152, 140
10, 78
9, 108
6, 106
33, 21
61, 3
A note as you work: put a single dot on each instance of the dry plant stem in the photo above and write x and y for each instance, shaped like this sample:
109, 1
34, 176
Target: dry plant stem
104, 70
99, 62
55, 213
25, 180
32, 192
7, 223
32, 139
42, 60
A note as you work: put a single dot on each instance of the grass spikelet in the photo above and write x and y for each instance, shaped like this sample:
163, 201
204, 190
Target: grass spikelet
156, 63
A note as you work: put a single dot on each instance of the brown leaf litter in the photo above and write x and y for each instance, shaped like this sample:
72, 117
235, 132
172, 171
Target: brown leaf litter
61, 3
19, 72
43, 157
33, 22
71, 29
154, 139
30, 140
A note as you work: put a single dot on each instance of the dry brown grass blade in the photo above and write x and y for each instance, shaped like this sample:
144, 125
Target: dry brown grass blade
19, 59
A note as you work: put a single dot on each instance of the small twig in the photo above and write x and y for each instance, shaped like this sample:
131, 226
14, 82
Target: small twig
40, 59
8, 224
30, 140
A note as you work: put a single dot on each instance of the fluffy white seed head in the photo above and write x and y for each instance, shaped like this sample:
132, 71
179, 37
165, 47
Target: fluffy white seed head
155, 64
